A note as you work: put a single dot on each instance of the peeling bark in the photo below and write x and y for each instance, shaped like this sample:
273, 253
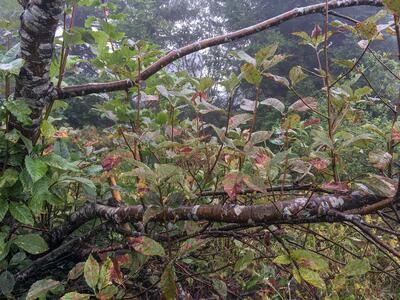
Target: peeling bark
299, 210
38, 26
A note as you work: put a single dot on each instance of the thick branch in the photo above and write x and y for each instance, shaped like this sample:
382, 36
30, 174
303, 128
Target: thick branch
81, 90
299, 210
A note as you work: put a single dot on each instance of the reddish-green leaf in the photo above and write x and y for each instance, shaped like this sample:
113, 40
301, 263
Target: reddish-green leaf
91, 272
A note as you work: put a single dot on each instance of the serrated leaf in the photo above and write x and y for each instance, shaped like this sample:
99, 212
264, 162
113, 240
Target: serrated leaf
32, 243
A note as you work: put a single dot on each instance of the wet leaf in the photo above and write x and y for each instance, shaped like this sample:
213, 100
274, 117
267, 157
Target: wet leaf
32, 243
40, 288
91, 272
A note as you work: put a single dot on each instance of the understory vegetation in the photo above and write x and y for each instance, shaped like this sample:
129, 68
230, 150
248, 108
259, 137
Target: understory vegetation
137, 163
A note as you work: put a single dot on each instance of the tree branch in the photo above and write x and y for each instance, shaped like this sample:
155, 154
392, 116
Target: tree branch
298, 210
85, 89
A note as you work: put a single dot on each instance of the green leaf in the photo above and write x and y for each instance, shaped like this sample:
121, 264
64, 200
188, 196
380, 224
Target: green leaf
12, 67
21, 213
296, 75
58, 162
251, 74
205, 83
266, 53
356, 267
47, 129
20, 110
88, 185
9, 178
11, 54
104, 275
231, 83
32, 243
221, 287
40, 289
310, 260
361, 141
108, 293
72, 38
167, 283
148, 247
7, 282
393, 5
36, 168
3, 208
91, 272
282, 260
242, 263
312, 278
75, 296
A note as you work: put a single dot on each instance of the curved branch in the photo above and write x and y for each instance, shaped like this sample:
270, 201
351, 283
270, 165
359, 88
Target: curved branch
81, 90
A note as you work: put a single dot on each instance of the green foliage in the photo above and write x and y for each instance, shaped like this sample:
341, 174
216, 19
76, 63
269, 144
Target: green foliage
176, 136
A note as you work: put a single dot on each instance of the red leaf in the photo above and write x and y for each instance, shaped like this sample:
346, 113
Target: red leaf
61, 134
260, 160
232, 185
184, 150
49, 149
319, 164
311, 122
115, 272
110, 162
201, 95
395, 135
316, 32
